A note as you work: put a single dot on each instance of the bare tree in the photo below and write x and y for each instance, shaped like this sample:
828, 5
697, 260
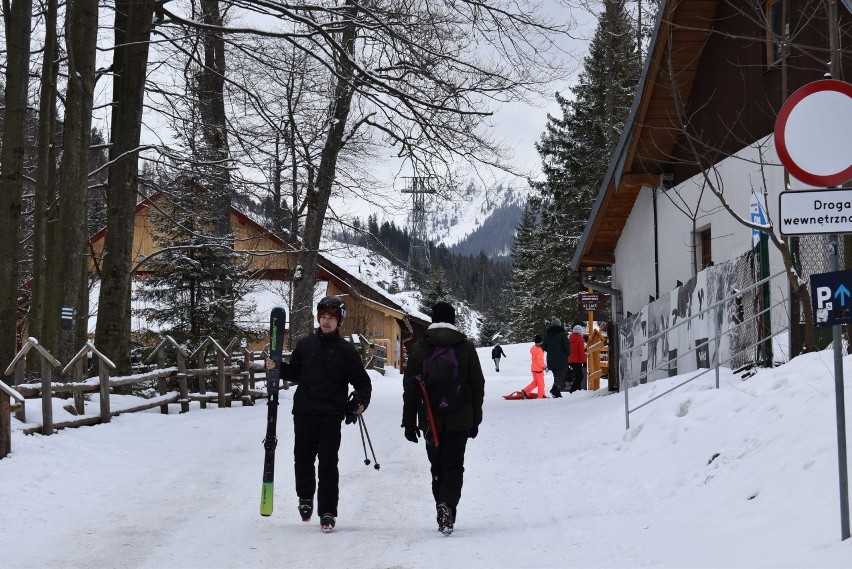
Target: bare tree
70, 288
17, 15
133, 22
45, 168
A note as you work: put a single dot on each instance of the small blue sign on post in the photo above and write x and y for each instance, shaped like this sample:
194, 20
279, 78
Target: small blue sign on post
831, 297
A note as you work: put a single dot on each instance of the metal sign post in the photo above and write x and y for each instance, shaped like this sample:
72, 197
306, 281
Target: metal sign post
811, 135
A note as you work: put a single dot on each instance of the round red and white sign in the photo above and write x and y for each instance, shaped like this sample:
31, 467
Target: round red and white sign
813, 133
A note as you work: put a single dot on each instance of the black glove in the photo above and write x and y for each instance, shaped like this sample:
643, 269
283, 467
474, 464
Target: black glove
474, 430
412, 434
349, 416
352, 404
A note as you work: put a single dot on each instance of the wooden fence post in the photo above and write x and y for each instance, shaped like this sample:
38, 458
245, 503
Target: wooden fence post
200, 354
79, 400
162, 383
104, 365
222, 381
182, 382
5, 424
103, 376
6, 408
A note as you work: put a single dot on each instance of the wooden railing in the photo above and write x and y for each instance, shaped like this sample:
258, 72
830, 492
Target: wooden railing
597, 361
192, 384
373, 356
175, 384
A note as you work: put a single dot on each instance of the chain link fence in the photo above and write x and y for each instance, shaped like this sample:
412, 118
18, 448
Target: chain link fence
810, 256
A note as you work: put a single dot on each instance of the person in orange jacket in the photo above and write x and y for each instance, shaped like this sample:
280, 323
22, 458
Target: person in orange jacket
577, 358
537, 369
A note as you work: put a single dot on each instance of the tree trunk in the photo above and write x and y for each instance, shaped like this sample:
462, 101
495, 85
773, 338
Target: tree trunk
45, 171
214, 129
81, 28
17, 22
301, 320
130, 60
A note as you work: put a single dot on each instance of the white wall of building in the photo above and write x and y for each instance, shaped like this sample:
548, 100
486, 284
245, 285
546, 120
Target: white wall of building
738, 176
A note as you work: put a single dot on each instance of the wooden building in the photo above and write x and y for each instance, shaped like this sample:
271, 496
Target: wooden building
370, 312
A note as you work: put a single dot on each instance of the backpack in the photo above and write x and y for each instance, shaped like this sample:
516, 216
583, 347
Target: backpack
446, 391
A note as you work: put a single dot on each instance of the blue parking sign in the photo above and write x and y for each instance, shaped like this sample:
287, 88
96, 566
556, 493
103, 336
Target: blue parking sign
831, 297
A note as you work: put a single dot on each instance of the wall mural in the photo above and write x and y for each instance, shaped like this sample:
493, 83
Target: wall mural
677, 345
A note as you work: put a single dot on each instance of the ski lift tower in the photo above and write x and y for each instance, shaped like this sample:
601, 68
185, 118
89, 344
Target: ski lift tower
418, 256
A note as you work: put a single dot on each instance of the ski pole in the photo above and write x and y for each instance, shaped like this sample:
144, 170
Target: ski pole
364, 425
363, 444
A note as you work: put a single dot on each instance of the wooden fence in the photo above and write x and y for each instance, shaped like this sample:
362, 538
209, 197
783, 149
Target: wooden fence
228, 375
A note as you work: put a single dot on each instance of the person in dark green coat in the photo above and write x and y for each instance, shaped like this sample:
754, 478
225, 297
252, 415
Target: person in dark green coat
556, 345
453, 428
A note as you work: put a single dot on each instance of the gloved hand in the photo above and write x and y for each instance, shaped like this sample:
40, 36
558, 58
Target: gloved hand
349, 416
412, 434
474, 430
353, 408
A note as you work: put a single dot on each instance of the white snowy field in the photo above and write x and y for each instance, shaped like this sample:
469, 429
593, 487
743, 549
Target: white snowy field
551, 483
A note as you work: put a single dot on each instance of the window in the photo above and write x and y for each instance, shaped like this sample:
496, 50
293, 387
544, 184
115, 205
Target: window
776, 31
706, 253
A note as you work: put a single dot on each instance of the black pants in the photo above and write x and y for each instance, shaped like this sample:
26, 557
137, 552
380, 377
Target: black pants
447, 467
577, 381
559, 379
317, 436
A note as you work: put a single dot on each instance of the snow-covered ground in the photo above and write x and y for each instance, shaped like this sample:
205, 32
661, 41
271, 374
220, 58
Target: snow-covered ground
743, 476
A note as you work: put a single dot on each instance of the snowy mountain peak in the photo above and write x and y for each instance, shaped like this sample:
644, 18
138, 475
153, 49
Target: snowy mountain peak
457, 222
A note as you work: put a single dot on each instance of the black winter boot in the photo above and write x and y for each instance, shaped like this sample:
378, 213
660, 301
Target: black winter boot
445, 519
306, 508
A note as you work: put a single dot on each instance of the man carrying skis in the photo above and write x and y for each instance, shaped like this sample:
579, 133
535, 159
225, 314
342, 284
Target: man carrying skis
324, 365
445, 431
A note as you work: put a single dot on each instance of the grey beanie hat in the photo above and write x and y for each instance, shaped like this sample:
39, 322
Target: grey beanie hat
555, 322
578, 329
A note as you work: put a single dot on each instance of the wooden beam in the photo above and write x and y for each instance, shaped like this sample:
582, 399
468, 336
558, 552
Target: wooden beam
632, 180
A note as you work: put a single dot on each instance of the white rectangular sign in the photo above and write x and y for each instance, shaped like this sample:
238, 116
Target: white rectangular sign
809, 212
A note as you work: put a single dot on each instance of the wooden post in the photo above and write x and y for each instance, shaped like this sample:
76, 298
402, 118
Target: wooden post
103, 376
5, 424
46, 397
222, 381
202, 380
182, 387
247, 367
79, 400
162, 381
19, 373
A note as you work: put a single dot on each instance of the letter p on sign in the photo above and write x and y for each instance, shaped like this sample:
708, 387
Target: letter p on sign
823, 293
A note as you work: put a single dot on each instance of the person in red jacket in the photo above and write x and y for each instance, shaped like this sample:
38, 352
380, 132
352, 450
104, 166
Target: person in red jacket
577, 358
537, 369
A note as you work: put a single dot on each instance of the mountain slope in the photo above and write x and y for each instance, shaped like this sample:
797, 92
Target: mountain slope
467, 223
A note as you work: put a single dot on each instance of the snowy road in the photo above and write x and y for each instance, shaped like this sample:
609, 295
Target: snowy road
553, 483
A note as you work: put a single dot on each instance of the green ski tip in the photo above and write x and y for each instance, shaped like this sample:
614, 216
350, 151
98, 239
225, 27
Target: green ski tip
266, 499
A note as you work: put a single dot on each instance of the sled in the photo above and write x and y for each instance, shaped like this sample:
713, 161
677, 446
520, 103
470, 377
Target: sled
519, 395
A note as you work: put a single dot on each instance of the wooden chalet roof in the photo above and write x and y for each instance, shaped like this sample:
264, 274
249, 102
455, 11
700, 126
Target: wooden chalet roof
326, 269
649, 140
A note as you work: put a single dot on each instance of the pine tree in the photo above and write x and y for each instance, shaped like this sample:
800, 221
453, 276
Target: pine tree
183, 295
435, 289
574, 150
528, 306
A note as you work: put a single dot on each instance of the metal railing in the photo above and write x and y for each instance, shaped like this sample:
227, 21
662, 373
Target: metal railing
719, 334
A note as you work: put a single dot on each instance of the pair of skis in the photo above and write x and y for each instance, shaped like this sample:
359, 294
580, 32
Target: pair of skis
277, 322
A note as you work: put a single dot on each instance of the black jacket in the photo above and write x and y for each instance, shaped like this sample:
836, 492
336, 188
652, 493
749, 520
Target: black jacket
556, 345
497, 351
470, 371
324, 365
